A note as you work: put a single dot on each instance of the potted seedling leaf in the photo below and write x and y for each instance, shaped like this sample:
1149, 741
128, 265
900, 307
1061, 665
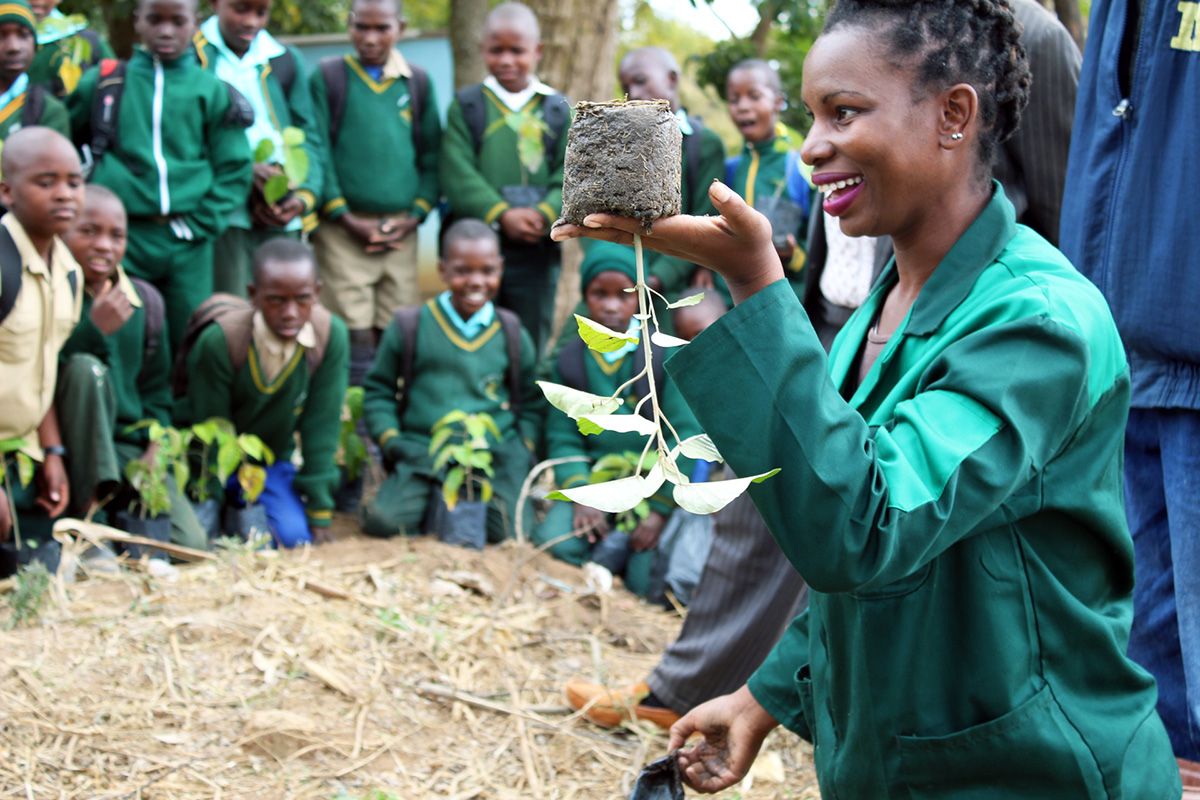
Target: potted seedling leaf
462, 455
12, 452
250, 521
210, 439
352, 456
149, 514
293, 162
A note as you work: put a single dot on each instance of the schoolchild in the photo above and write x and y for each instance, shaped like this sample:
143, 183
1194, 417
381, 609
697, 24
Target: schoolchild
67, 48
22, 102
379, 122
168, 138
651, 73
234, 44
766, 173
122, 326
40, 299
276, 368
502, 159
457, 352
606, 275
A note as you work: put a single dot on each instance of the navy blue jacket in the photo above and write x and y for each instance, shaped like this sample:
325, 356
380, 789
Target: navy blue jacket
1131, 208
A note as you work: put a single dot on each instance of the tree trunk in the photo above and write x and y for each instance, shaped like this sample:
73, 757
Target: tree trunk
766, 18
466, 31
1071, 18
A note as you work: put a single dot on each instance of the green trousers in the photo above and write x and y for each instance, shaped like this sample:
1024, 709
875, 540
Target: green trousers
179, 268
87, 416
403, 497
233, 256
577, 550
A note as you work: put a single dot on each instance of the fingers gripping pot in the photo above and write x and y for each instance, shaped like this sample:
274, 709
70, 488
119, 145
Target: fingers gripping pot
623, 158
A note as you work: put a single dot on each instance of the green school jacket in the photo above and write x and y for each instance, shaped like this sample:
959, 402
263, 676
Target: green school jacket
294, 402
471, 181
960, 523
563, 438
178, 151
143, 391
54, 115
59, 65
449, 373
372, 167
293, 109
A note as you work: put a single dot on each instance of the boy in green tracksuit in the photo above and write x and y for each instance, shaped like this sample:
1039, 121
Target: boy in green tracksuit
233, 44
127, 335
651, 73
379, 121
502, 160
177, 154
607, 273
461, 360
291, 380
22, 102
67, 48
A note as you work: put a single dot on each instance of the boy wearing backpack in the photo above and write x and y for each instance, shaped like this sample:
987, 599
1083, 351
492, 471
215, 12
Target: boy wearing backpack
379, 122
234, 44
22, 101
127, 335
67, 48
502, 161
39, 305
457, 352
276, 367
168, 138
606, 276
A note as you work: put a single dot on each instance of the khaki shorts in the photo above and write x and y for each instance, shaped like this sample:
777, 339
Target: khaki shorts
364, 289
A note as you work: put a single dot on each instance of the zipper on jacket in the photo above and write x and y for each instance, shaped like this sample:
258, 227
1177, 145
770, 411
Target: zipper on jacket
1123, 110
164, 194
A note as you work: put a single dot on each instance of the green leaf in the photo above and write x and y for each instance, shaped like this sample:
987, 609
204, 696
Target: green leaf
253, 479
684, 302
439, 439
295, 165
666, 340
251, 445
490, 425
181, 472
12, 445
620, 423
485, 491
711, 496
442, 459
454, 482
24, 469
275, 188
229, 456
264, 151
475, 429
450, 419
575, 403
292, 136
601, 339
612, 497
700, 447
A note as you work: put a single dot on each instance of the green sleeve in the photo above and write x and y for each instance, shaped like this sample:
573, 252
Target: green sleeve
210, 377
79, 107
774, 683
466, 188
551, 205
55, 116
379, 392
333, 204
428, 186
302, 116
881, 502
232, 166
563, 440
320, 427
86, 338
530, 423
154, 380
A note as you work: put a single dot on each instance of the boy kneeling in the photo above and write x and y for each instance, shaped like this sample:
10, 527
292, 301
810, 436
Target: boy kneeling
456, 352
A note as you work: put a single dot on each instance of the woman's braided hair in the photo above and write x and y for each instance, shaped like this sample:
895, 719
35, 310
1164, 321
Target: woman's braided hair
954, 41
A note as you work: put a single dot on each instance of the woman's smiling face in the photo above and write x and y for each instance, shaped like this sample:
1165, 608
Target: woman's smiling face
874, 143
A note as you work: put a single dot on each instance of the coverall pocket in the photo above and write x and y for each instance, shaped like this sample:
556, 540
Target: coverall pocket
898, 588
1031, 752
804, 691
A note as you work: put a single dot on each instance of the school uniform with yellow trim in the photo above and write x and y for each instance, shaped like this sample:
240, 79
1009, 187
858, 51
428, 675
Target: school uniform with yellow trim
373, 171
457, 365
274, 110
472, 180
12, 109
959, 518
274, 397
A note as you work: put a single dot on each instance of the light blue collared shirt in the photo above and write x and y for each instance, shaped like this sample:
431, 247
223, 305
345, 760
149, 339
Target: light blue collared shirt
635, 325
475, 325
14, 91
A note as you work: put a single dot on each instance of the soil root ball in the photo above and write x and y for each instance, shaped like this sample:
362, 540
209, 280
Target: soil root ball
622, 158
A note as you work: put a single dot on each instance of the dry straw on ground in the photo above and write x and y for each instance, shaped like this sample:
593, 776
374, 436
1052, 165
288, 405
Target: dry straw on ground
363, 669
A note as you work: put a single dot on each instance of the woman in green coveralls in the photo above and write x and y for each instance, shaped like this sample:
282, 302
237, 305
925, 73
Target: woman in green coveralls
951, 476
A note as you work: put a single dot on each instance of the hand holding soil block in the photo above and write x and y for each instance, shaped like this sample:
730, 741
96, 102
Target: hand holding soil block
622, 158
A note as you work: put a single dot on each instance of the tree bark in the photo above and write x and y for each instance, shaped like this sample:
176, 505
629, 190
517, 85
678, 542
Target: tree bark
1071, 18
466, 32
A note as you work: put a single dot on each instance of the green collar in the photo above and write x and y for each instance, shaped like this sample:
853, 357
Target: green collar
762, 148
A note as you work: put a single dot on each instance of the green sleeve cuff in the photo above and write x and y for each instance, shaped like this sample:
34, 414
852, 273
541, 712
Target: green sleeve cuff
548, 213
495, 211
387, 435
423, 207
308, 198
335, 208
319, 517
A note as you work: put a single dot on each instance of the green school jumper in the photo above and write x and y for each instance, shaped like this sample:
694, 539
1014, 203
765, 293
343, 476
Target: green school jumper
66, 49
960, 524
472, 181
181, 165
372, 167
290, 108
54, 115
563, 440
295, 402
449, 372
137, 391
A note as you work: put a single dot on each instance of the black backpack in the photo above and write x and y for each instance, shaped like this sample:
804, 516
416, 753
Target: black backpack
12, 268
156, 315
408, 318
556, 113
572, 369
336, 72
